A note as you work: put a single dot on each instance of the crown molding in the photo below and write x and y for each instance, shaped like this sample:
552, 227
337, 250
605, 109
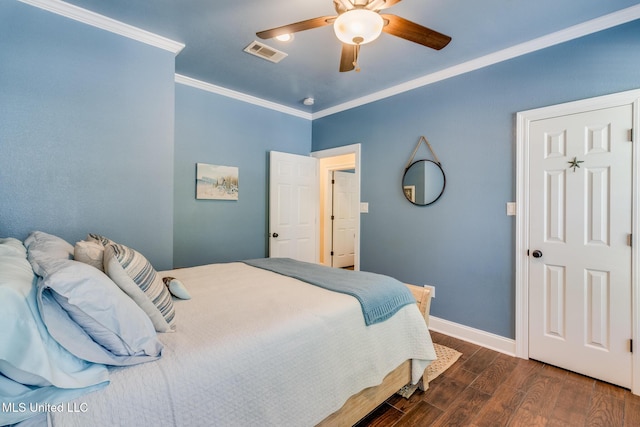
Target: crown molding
100, 21
199, 84
589, 27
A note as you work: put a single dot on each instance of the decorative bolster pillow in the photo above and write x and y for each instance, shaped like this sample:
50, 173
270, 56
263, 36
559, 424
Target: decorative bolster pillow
176, 288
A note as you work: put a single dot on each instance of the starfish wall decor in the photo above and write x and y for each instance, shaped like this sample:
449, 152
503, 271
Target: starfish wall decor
575, 163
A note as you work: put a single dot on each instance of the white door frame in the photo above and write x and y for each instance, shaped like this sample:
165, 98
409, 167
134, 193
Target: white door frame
339, 151
326, 234
330, 204
524, 119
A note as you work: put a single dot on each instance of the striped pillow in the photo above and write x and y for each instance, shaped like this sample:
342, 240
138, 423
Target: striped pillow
137, 278
97, 238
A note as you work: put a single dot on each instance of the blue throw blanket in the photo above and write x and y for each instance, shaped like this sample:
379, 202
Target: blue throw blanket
380, 296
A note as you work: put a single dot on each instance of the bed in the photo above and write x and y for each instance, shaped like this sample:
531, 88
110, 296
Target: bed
252, 346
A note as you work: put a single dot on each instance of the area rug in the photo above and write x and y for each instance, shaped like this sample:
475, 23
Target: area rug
445, 358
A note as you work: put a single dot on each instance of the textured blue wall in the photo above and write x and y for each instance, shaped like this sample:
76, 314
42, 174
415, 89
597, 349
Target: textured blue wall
464, 243
217, 130
86, 133
87, 145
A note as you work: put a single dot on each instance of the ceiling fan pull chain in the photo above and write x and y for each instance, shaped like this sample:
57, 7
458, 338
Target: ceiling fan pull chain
356, 53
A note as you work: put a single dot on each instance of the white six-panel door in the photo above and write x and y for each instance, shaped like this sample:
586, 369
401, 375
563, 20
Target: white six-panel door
579, 254
345, 211
293, 206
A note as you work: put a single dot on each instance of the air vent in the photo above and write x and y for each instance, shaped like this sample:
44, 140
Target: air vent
265, 52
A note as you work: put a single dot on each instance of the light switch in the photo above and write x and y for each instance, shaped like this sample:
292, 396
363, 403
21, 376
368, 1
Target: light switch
364, 207
511, 208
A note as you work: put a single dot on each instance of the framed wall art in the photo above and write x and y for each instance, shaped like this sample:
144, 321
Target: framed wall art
215, 182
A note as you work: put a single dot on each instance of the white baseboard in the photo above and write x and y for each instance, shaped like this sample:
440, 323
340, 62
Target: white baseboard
475, 336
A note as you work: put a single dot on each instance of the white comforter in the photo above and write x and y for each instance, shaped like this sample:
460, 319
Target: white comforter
255, 348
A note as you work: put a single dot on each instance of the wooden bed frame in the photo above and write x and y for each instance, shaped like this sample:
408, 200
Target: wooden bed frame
361, 404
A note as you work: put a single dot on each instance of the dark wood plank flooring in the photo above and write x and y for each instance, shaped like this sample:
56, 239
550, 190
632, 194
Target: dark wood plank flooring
487, 388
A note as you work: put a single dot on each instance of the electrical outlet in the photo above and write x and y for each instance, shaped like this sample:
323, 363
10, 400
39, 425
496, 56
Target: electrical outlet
433, 290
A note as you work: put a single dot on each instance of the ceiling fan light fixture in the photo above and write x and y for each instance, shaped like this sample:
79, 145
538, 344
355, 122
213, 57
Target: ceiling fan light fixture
358, 26
285, 37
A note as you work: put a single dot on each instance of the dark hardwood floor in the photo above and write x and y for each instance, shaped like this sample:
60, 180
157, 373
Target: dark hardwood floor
487, 388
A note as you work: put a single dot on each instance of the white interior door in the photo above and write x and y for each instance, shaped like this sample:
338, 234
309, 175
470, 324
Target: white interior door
293, 207
346, 206
580, 219
338, 158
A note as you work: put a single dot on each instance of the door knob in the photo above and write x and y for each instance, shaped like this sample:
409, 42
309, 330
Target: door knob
537, 254
274, 235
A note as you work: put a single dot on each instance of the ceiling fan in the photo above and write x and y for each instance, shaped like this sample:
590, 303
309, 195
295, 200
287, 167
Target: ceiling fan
360, 22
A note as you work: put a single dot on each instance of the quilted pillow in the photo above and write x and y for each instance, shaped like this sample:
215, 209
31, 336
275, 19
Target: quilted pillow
137, 278
89, 253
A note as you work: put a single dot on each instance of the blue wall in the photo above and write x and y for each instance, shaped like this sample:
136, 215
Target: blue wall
464, 243
217, 130
86, 133
87, 144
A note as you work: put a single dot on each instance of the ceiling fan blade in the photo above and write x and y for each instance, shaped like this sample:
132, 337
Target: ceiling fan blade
348, 57
383, 4
344, 4
298, 26
416, 33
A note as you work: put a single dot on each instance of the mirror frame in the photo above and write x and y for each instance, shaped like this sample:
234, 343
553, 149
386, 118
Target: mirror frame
444, 182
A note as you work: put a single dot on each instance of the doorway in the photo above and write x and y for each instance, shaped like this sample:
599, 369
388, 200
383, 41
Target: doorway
340, 219
346, 158
576, 274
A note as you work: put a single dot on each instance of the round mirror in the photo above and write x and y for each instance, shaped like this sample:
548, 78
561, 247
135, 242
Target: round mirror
423, 182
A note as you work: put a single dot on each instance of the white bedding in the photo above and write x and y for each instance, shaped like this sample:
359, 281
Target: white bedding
253, 347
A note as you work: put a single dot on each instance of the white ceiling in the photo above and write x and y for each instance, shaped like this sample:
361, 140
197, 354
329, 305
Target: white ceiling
215, 33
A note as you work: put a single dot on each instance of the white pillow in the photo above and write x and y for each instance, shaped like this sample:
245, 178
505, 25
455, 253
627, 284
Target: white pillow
11, 246
28, 354
91, 317
91, 253
34, 368
43, 246
137, 278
